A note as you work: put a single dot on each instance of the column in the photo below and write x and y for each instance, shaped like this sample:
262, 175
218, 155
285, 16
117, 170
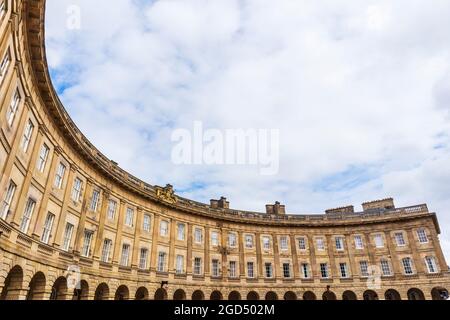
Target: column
276, 257
189, 249
259, 261
224, 235
173, 233
296, 274
207, 247
153, 260
241, 255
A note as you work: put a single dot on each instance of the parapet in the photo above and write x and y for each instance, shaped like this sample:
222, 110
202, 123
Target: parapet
387, 203
276, 208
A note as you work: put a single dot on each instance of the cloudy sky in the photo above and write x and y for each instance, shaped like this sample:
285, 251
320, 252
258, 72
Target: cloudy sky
360, 91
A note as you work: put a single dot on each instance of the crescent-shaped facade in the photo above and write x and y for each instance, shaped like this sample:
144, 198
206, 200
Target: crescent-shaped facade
74, 225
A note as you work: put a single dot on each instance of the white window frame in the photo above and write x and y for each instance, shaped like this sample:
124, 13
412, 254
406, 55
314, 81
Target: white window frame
422, 235
59, 176
286, 270
129, 217
233, 269
13, 108
249, 241
87, 242
6, 61
163, 228
343, 270
198, 235
232, 240
76, 190
214, 238
48, 225
7, 200
268, 270
27, 135
67, 238
266, 242
197, 266
250, 269
431, 264
386, 269
95, 200
112, 207
146, 223
181, 231
301, 243
324, 272
43, 157
161, 267
27, 215
215, 267
284, 243
106, 250
304, 267
364, 268
379, 241
339, 241
400, 239
407, 266
125, 256
179, 264
359, 243
320, 242
143, 258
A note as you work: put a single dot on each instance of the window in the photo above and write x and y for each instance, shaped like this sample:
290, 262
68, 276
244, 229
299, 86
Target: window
215, 267
399, 239
379, 242
343, 269
359, 244
198, 235
422, 235
29, 208
180, 231
250, 270
324, 270
7, 200
163, 228
232, 240
28, 132
266, 243
286, 270
106, 252
385, 268
3, 8
112, 206
68, 231
233, 269
7, 58
59, 177
305, 270
12, 109
143, 259
94, 200
47, 227
179, 267
407, 266
86, 250
146, 223
197, 266
431, 264
129, 217
268, 269
76, 191
161, 262
302, 243
283, 243
43, 155
125, 255
249, 241
339, 243
320, 244
364, 268
215, 238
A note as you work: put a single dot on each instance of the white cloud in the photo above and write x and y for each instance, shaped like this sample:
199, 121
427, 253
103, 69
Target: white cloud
359, 90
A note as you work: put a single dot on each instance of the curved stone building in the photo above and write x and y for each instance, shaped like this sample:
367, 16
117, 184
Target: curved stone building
73, 225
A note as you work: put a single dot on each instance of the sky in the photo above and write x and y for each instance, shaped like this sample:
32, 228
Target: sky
358, 90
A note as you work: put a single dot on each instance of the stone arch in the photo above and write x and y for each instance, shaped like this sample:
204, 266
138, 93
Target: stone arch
392, 294
439, 293
329, 295
309, 295
415, 294
370, 295
122, 293
141, 294
36, 288
59, 289
271, 296
349, 295
198, 295
102, 292
234, 295
290, 295
160, 294
179, 294
252, 295
13, 287
81, 292
216, 295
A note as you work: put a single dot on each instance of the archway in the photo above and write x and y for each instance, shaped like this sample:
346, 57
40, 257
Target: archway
36, 289
102, 292
290, 295
141, 294
252, 295
271, 296
309, 295
349, 295
392, 294
439, 293
179, 295
160, 294
415, 294
13, 284
234, 295
81, 293
370, 295
59, 289
216, 295
328, 295
122, 293
198, 295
